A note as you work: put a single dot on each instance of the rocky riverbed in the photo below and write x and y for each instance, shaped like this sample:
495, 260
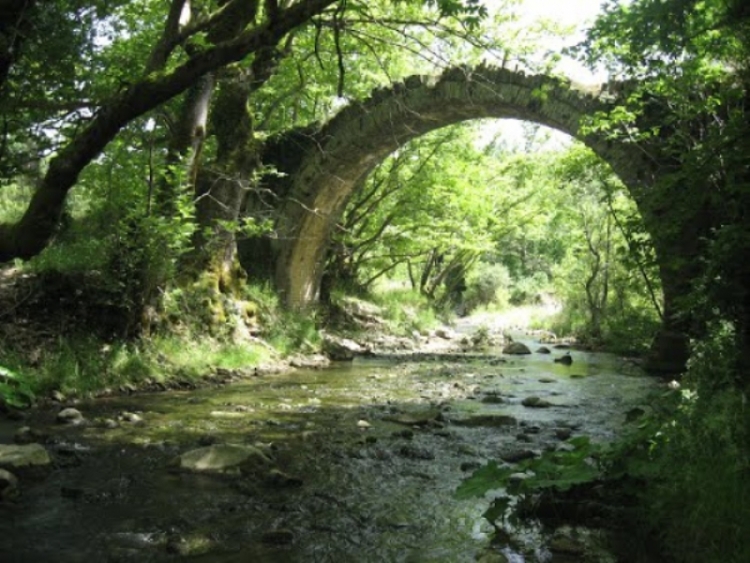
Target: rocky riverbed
357, 461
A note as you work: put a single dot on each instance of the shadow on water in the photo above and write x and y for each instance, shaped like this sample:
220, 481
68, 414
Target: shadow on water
379, 447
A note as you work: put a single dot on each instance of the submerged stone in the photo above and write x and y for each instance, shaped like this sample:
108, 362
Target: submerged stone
13, 456
516, 348
224, 458
491, 420
536, 403
517, 455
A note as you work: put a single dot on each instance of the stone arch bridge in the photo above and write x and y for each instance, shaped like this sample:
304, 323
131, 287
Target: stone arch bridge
321, 167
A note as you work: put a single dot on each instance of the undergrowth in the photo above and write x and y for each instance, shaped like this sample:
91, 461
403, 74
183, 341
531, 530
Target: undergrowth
680, 476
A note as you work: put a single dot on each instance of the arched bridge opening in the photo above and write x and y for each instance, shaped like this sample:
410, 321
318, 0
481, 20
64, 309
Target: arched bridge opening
321, 166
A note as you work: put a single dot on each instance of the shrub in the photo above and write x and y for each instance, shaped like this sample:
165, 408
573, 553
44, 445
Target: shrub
487, 285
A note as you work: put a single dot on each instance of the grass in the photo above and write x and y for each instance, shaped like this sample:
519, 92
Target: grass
80, 366
406, 310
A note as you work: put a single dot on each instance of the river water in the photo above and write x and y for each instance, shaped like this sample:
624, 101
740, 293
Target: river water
371, 453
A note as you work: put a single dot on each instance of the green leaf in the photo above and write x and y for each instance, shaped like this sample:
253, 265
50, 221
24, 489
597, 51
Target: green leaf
486, 478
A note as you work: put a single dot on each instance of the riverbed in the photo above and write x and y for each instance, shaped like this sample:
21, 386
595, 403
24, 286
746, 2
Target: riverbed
366, 454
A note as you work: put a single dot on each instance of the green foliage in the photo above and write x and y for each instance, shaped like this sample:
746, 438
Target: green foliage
487, 285
687, 66
699, 499
405, 310
287, 331
552, 472
195, 358
79, 365
682, 470
14, 389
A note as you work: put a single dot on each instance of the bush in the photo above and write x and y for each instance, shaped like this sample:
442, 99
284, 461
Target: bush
406, 310
527, 290
487, 285
287, 331
699, 502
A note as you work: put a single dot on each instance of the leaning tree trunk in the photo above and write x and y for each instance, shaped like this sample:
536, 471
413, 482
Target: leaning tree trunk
222, 188
33, 232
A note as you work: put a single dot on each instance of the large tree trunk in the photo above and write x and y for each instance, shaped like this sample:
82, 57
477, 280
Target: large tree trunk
222, 189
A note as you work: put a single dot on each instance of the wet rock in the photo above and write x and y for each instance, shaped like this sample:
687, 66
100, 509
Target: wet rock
566, 360
536, 403
543, 350
546, 380
70, 416
445, 333
28, 435
341, 349
314, 361
8, 485
131, 417
426, 418
279, 536
521, 476
491, 420
563, 544
227, 414
17, 458
415, 452
577, 376
108, 423
530, 429
405, 433
563, 433
634, 414
515, 456
470, 465
74, 493
517, 349
493, 399
524, 438
57, 396
279, 479
224, 458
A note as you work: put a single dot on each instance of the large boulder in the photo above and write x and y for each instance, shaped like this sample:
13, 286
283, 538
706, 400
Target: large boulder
516, 348
341, 349
231, 459
24, 459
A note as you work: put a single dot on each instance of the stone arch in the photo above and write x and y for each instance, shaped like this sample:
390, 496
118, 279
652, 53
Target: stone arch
321, 166
327, 164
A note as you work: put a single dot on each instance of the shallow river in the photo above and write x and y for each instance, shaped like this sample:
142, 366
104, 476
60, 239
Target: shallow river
371, 452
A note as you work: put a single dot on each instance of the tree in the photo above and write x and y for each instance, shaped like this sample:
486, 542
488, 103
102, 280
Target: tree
689, 64
194, 93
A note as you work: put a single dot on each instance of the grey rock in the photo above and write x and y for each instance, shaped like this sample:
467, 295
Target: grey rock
233, 459
70, 416
516, 348
515, 456
14, 457
536, 403
8, 484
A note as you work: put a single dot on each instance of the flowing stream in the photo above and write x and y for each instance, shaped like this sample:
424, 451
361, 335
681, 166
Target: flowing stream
371, 453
